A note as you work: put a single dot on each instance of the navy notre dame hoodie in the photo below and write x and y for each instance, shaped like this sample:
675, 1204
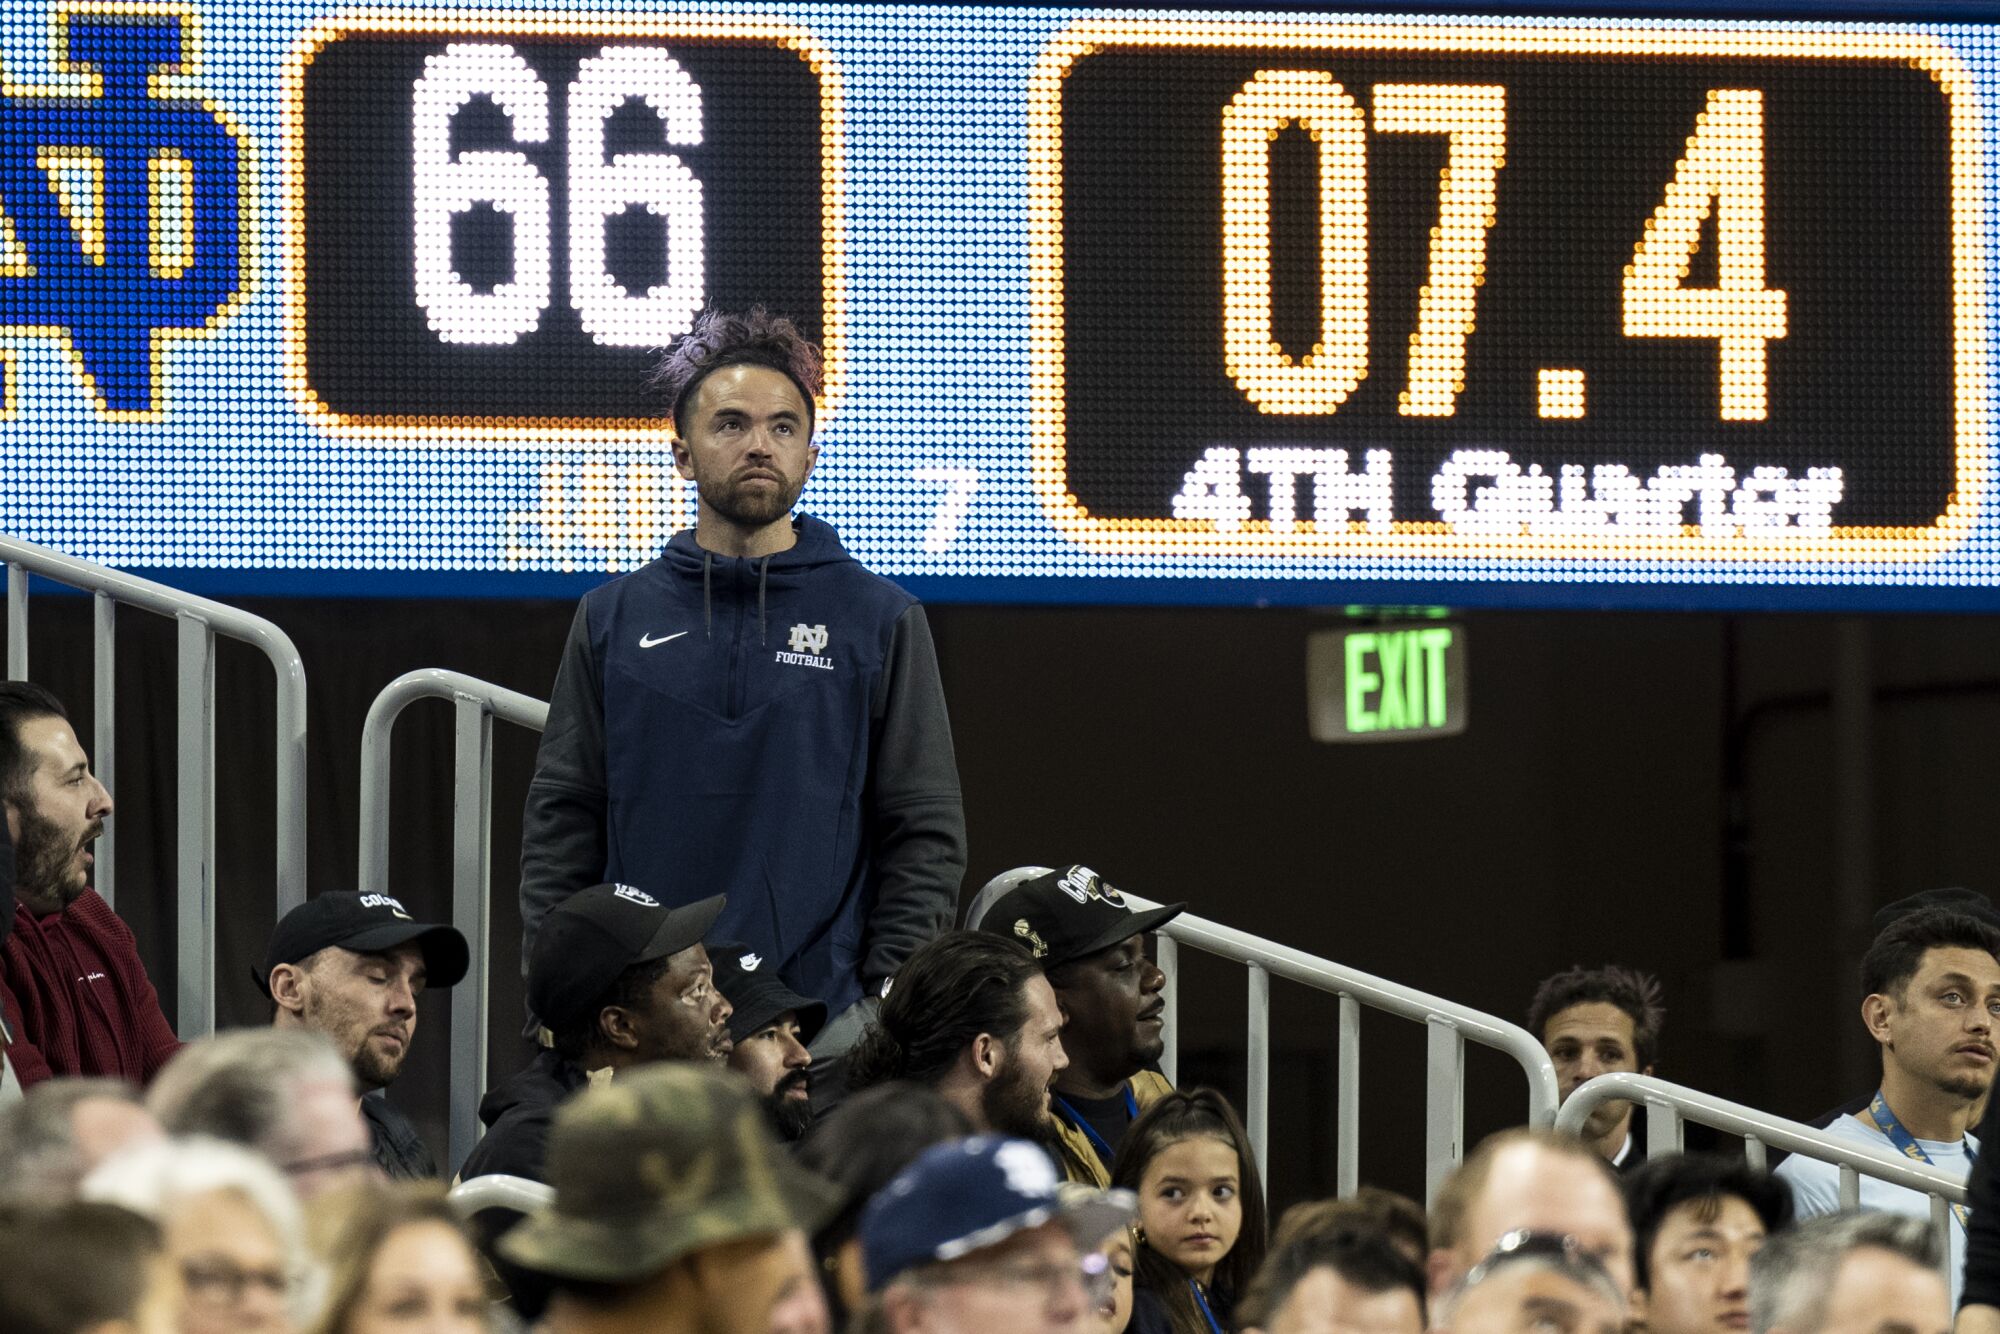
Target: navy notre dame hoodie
770, 728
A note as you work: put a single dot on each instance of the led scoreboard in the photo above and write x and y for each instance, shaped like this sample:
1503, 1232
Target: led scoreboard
1643, 309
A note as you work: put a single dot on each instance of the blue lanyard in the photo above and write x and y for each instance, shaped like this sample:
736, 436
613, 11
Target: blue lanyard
1906, 1143
1202, 1302
1075, 1118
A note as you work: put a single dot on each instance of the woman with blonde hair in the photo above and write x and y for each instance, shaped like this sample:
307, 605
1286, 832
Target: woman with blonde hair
231, 1227
396, 1259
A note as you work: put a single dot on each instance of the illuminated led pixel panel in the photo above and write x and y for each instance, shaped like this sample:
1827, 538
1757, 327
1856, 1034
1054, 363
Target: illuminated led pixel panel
1118, 306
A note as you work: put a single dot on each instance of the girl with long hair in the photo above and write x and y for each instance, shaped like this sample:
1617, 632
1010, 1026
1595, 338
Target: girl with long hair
1201, 1213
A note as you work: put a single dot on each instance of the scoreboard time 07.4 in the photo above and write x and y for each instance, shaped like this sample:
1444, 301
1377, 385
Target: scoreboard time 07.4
1399, 291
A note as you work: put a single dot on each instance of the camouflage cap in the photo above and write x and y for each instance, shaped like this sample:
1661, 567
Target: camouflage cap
664, 1161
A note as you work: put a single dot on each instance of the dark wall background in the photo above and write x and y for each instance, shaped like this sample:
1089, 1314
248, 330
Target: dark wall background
1661, 790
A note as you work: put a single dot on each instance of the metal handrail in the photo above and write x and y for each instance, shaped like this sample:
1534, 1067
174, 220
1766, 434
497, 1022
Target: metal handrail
1669, 1106
469, 1199
1448, 1024
477, 703
199, 621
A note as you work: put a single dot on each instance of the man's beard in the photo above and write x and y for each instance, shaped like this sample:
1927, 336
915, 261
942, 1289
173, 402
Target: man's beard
1972, 1090
1016, 1105
372, 1070
790, 1117
748, 509
42, 857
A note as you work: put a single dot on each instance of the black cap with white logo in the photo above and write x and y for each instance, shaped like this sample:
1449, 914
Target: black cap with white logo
598, 933
757, 995
1067, 914
366, 924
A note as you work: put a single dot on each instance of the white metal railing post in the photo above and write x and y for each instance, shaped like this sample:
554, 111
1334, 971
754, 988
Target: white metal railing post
1347, 1143
195, 829
1257, 1083
1167, 954
1676, 1103
1451, 1026
476, 704
199, 622
471, 883
1665, 1133
104, 733
17, 622
1941, 1229
1444, 1105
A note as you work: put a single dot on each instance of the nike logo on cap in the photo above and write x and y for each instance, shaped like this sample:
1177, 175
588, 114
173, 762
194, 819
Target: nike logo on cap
647, 641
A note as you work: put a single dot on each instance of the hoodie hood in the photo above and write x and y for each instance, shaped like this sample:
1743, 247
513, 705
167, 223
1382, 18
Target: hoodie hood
815, 546
535, 1090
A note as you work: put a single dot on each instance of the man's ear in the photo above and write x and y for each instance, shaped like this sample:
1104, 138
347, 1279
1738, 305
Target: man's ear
683, 459
13, 819
289, 983
1875, 1012
986, 1057
615, 1026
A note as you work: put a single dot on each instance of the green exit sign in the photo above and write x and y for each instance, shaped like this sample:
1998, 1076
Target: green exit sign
1387, 682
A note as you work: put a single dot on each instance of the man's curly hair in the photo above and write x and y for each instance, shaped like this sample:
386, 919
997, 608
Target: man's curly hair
1637, 994
754, 337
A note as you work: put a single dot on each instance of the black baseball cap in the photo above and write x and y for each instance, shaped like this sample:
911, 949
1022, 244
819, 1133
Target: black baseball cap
757, 995
596, 934
1067, 914
369, 923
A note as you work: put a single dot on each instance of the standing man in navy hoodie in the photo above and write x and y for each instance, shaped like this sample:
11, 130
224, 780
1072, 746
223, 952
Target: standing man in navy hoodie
754, 713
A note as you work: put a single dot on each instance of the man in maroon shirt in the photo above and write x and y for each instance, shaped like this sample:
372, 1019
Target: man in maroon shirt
70, 972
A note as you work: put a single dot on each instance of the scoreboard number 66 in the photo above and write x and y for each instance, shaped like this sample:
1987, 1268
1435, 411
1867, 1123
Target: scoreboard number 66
492, 222
448, 184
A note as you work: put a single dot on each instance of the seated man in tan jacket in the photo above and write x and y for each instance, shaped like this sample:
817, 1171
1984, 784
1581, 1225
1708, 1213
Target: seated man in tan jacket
1093, 948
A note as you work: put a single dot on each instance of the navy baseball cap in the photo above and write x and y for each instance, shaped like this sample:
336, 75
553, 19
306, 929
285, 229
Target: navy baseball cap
1067, 914
968, 1194
596, 934
367, 924
757, 995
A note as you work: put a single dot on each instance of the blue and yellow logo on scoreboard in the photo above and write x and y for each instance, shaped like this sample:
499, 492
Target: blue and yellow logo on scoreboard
126, 203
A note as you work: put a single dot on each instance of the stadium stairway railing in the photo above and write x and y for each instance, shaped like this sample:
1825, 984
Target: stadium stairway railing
476, 705
199, 621
1669, 1107
1448, 1024
475, 1197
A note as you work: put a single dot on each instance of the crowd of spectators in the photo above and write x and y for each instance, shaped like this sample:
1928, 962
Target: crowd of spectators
773, 1093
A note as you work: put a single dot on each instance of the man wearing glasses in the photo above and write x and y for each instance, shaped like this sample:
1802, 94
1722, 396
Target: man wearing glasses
1532, 1180
284, 1094
1534, 1283
974, 1237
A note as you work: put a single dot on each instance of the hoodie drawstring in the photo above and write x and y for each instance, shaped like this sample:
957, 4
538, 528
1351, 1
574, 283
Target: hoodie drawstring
763, 573
707, 597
